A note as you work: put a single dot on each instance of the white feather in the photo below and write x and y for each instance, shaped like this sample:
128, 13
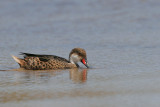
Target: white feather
74, 58
16, 59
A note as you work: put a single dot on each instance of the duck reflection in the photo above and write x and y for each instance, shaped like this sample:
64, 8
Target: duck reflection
25, 76
78, 75
36, 77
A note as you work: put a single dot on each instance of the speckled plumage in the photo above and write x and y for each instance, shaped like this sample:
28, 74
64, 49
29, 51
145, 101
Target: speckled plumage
47, 62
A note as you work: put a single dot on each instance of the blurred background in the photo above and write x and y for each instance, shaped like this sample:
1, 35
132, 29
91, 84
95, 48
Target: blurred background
121, 38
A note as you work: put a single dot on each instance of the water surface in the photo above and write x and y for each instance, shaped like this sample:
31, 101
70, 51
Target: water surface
121, 38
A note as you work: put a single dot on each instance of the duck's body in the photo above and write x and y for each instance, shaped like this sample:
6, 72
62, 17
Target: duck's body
47, 62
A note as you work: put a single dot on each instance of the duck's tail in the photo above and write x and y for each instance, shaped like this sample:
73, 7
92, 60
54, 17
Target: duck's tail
18, 60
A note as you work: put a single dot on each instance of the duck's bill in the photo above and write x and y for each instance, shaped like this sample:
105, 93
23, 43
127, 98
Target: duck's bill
87, 65
84, 61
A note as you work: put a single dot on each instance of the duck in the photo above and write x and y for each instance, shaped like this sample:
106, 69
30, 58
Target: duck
51, 62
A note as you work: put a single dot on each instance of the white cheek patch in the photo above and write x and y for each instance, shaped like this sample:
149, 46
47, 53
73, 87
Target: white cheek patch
74, 58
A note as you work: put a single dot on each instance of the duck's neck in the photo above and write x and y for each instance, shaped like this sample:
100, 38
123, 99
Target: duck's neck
74, 59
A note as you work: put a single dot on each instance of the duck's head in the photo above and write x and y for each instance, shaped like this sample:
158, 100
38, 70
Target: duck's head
78, 55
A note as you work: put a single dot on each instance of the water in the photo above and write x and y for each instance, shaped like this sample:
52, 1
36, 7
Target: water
121, 38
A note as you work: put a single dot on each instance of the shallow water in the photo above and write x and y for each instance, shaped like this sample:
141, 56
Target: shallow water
121, 38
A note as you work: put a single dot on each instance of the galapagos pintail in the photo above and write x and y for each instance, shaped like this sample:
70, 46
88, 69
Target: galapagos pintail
49, 62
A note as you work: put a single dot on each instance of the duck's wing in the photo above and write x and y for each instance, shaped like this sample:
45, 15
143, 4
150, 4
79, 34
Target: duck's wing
44, 58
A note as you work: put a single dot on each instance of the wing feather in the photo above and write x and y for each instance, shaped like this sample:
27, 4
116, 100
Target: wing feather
44, 58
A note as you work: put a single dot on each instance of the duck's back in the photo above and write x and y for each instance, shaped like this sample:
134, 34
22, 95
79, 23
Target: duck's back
44, 62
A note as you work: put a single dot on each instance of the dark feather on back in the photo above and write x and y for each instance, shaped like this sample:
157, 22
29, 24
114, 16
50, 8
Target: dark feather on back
44, 58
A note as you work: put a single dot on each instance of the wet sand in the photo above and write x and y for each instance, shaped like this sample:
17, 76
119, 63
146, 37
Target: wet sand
121, 38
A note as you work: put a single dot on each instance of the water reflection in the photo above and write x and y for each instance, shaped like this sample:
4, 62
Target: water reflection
27, 85
23, 76
78, 75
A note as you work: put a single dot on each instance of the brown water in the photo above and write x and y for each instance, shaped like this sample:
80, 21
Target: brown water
121, 38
